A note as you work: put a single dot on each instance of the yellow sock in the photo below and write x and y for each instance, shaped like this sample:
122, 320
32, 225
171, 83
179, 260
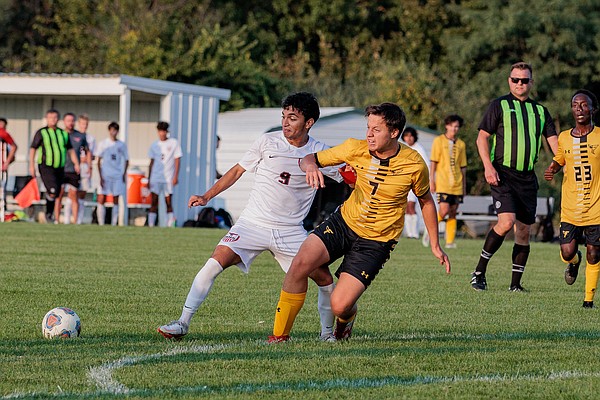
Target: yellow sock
575, 259
591, 280
288, 307
440, 219
450, 230
345, 321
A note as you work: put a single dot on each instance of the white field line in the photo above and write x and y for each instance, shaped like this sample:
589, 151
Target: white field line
102, 376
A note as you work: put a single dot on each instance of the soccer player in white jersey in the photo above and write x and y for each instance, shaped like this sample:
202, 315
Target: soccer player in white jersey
272, 220
113, 160
165, 156
85, 166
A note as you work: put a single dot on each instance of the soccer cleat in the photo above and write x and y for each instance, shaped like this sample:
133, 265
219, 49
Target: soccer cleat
478, 282
343, 330
450, 245
516, 288
278, 339
572, 270
588, 304
327, 337
174, 330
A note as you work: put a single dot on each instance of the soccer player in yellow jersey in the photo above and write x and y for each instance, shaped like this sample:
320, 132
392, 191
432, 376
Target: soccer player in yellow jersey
365, 229
579, 154
448, 174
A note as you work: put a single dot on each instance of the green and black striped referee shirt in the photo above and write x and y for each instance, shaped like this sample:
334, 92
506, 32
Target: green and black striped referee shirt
517, 128
53, 144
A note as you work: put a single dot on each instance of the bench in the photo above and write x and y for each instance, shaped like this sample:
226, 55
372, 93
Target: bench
477, 213
480, 208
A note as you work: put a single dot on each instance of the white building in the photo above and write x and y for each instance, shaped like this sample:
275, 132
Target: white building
136, 104
239, 129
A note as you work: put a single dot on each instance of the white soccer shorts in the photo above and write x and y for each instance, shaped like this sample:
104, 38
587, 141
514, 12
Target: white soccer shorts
161, 188
248, 240
115, 187
85, 184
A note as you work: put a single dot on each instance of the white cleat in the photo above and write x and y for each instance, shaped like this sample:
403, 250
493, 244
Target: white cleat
174, 330
327, 337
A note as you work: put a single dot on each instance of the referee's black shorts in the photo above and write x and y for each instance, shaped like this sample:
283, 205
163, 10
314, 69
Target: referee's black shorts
363, 258
516, 193
53, 178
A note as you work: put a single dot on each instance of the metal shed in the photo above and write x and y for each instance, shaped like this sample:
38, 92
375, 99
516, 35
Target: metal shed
136, 104
239, 129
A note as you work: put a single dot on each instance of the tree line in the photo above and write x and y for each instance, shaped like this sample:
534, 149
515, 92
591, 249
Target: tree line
433, 57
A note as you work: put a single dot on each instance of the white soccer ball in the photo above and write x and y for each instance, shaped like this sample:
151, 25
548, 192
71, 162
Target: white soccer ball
61, 322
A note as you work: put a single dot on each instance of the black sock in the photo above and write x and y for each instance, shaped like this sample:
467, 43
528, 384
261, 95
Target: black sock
493, 241
520, 254
50, 206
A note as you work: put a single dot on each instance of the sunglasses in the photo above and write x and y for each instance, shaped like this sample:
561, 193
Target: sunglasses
524, 81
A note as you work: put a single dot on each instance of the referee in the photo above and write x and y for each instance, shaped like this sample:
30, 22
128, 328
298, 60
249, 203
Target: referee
54, 145
516, 124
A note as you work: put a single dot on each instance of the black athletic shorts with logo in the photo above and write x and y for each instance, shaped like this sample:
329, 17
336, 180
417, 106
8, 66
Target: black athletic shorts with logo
451, 199
570, 232
73, 179
363, 258
53, 178
516, 193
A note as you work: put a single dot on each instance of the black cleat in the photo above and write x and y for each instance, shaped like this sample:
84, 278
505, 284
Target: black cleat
588, 304
572, 270
516, 288
478, 282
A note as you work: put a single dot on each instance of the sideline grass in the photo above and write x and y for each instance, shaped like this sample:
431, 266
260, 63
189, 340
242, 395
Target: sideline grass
419, 333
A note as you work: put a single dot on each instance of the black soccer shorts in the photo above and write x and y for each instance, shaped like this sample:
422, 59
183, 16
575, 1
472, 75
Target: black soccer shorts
53, 178
570, 232
516, 193
363, 258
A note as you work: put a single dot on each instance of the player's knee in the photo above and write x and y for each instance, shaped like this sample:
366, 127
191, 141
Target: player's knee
341, 307
504, 226
568, 253
593, 255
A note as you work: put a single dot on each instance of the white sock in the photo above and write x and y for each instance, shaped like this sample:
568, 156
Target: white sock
200, 288
152, 218
67, 211
100, 213
80, 212
170, 220
412, 221
115, 215
325, 313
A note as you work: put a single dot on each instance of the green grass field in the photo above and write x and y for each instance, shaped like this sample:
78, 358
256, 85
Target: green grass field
419, 333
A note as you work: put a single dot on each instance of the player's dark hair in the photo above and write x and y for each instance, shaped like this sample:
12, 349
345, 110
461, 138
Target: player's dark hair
392, 114
412, 131
71, 114
453, 118
589, 94
4, 120
53, 111
113, 125
162, 126
306, 103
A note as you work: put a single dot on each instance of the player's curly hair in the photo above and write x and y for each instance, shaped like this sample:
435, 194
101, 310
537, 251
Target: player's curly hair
304, 102
589, 94
392, 114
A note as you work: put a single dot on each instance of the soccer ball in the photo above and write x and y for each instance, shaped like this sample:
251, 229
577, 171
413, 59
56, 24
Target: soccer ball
61, 322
